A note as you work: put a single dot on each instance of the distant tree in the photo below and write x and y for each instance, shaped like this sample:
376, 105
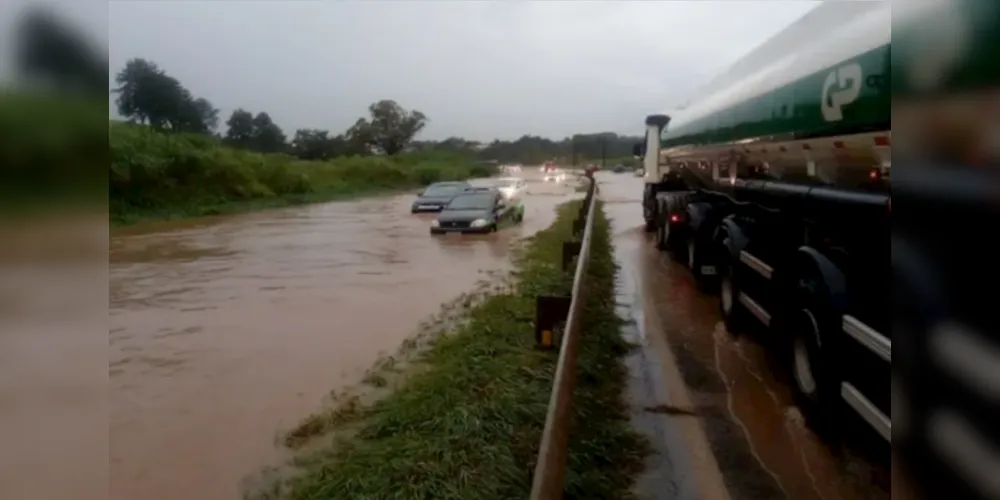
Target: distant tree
389, 129
314, 144
267, 136
360, 138
139, 82
49, 50
240, 132
146, 94
208, 115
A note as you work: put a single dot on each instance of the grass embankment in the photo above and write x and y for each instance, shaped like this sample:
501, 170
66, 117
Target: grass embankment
162, 176
467, 422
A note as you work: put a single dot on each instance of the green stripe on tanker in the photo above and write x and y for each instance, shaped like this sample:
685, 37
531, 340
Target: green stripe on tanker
796, 110
826, 75
956, 42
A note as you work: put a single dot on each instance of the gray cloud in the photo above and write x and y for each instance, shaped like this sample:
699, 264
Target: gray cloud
478, 69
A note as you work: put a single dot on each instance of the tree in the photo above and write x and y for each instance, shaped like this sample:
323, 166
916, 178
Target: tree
390, 129
240, 131
147, 95
314, 144
208, 115
137, 86
267, 136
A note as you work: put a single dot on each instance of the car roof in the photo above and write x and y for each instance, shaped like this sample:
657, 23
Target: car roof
450, 183
479, 189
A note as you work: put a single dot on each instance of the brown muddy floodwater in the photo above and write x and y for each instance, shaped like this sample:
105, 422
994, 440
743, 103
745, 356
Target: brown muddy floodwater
225, 331
760, 442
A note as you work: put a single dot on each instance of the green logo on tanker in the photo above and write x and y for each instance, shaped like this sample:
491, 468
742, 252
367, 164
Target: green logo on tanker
842, 87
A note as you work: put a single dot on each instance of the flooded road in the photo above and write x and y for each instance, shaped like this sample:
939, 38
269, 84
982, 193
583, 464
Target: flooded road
226, 330
757, 438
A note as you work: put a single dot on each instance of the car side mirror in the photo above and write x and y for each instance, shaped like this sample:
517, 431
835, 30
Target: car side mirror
638, 149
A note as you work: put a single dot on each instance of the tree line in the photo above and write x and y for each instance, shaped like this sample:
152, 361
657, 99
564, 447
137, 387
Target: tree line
147, 95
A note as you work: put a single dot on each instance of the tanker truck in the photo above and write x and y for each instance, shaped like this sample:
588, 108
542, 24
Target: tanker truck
773, 187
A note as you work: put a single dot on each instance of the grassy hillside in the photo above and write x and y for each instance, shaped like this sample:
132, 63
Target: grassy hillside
156, 175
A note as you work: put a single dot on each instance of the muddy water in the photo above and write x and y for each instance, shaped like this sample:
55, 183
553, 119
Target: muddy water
225, 330
762, 447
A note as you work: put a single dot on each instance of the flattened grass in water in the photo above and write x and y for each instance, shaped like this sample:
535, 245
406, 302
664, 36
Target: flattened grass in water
469, 425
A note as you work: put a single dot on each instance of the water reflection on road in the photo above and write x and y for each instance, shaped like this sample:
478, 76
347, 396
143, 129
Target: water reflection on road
224, 330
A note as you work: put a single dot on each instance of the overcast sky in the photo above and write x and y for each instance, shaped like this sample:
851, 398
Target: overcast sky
479, 70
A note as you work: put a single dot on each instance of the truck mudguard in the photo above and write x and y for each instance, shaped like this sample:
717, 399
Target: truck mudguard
809, 260
697, 213
737, 240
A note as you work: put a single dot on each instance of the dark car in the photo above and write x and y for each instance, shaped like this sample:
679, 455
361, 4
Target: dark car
619, 169
437, 195
477, 210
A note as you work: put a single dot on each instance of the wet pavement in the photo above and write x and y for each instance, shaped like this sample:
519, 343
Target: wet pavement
722, 423
224, 331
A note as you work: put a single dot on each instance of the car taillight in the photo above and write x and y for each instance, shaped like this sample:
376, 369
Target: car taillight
675, 217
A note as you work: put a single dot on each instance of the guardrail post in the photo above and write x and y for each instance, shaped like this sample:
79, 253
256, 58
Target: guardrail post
570, 249
549, 312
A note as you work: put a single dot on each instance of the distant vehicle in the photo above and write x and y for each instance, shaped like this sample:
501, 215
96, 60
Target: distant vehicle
619, 169
437, 195
640, 172
477, 210
553, 174
511, 169
512, 188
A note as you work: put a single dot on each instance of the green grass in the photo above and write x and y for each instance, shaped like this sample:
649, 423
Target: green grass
467, 422
164, 176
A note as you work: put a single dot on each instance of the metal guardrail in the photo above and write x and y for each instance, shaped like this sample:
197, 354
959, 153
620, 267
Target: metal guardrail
550, 468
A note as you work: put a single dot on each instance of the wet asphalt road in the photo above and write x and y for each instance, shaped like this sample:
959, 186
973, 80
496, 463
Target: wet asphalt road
226, 330
722, 423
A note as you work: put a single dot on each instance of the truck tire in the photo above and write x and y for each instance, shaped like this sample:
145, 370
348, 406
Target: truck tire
810, 326
662, 235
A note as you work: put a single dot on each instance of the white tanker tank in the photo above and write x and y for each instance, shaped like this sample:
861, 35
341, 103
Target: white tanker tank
811, 100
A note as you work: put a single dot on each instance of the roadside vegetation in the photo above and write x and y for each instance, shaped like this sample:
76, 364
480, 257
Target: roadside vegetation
464, 419
157, 175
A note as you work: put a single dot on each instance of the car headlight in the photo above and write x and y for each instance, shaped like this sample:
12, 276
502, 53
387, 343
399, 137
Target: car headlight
478, 223
435, 223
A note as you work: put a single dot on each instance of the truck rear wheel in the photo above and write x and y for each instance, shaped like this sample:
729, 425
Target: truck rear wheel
809, 328
661, 236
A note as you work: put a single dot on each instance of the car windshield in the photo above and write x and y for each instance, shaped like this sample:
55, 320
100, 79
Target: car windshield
443, 189
478, 201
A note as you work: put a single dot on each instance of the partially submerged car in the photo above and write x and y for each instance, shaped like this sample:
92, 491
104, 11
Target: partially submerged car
476, 210
437, 195
512, 188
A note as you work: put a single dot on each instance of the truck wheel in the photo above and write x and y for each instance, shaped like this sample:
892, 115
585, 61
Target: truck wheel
810, 324
661, 236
